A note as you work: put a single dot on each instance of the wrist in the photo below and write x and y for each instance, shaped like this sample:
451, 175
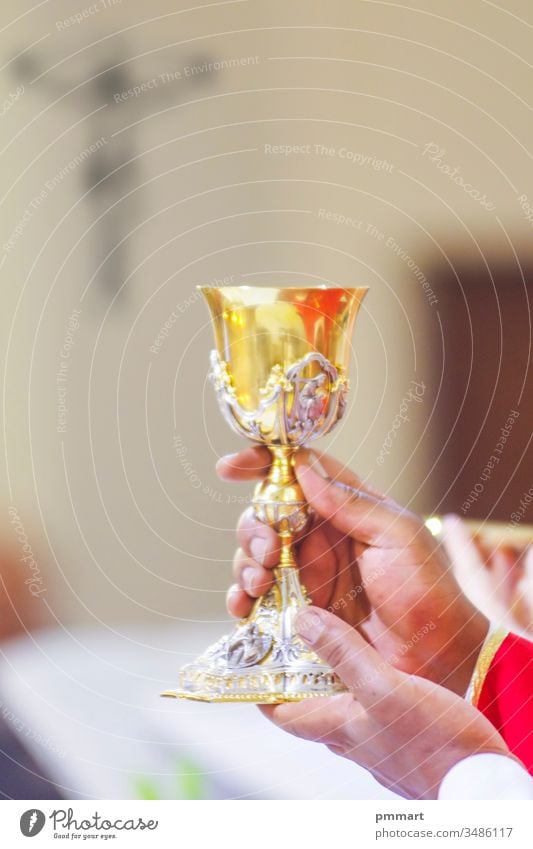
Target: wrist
458, 662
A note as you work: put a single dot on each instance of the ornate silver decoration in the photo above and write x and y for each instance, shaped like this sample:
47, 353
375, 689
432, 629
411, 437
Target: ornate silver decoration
264, 660
306, 407
287, 651
245, 647
276, 513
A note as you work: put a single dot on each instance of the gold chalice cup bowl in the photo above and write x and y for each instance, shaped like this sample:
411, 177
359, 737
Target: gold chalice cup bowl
279, 373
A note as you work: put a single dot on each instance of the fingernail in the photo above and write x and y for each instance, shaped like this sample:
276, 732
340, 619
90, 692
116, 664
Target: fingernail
304, 469
258, 548
227, 458
247, 578
314, 467
309, 626
336, 486
232, 591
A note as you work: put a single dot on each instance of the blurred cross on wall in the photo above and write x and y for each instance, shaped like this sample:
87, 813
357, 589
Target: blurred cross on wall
112, 169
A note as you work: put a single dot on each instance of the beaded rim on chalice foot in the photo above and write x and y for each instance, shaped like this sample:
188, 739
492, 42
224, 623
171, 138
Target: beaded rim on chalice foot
279, 377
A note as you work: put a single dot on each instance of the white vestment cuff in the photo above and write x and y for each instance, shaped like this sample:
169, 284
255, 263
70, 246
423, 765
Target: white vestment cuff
487, 776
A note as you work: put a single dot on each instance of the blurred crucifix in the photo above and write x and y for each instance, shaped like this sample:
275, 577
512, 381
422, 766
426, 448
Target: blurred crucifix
116, 99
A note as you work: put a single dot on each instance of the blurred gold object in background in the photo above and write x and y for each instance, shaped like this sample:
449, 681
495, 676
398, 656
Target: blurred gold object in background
489, 533
279, 371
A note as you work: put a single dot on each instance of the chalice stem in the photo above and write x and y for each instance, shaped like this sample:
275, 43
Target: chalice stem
280, 503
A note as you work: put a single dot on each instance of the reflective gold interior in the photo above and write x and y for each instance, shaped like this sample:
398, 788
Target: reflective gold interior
258, 327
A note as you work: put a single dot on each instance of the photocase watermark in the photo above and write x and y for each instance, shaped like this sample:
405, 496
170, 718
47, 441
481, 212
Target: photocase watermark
344, 600
527, 208
413, 640
518, 514
32, 822
374, 232
398, 251
84, 14
355, 157
220, 65
64, 825
181, 308
436, 155
393, 659
196, 482
62, 372
491, 464
414, 394
340, 218
50, 185
187, 72
78, 160
25, 731
11, 99
34, 581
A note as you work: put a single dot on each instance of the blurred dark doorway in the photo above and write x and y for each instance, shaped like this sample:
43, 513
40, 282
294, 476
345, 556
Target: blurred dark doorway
486, 464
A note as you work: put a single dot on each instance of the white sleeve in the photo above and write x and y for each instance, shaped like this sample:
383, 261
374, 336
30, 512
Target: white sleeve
487, 776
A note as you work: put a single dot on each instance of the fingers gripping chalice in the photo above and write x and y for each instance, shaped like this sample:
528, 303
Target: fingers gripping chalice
279, 373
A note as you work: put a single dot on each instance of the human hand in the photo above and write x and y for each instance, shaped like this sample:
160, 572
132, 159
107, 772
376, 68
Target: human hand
371, 562
499, 574
408, 732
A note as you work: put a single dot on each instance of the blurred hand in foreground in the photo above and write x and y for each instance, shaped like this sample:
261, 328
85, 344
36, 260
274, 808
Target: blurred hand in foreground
498, 576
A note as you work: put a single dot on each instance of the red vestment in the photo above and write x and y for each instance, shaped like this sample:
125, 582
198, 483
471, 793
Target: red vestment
505, 696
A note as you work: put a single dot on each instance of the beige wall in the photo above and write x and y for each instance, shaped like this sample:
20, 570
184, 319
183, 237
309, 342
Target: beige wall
124, 528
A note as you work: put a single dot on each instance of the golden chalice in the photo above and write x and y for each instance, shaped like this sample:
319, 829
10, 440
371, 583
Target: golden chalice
279, 372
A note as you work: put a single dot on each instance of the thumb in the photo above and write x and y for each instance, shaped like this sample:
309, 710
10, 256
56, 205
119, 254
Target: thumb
359, 666
356, 512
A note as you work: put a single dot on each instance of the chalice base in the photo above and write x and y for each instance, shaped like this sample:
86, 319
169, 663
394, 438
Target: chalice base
263, 660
